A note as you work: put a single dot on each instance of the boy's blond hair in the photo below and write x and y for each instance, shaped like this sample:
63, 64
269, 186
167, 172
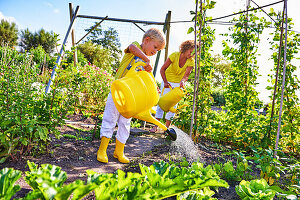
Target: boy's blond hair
155, 34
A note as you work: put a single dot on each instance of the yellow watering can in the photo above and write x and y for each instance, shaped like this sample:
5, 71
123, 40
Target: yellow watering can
135, 94
168, 101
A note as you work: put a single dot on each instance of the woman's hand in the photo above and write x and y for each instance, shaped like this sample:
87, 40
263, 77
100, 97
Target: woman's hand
167, 85
182, 84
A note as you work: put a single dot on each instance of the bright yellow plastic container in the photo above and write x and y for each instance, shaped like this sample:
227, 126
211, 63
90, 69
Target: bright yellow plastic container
135, 94
169, 100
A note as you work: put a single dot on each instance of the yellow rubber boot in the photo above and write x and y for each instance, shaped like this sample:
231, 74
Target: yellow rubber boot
101, 153
119, 152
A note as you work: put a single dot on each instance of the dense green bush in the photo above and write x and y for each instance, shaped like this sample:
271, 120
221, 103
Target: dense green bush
95, 89
97, 55
27, 115
218, 95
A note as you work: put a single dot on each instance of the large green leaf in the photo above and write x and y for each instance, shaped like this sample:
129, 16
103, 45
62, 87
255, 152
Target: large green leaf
8, 177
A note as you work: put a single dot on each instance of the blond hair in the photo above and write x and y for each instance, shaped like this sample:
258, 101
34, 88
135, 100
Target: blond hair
155, 34
186, 45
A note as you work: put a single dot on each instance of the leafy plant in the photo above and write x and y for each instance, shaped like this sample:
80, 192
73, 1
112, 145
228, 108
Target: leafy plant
290, 129
255, 189
205, 194
231, 173
270, 167
27, 115
94, 89
160, 180
47, 183
8, 177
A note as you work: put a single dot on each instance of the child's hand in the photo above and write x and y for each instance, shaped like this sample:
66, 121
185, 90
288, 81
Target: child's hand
148, 67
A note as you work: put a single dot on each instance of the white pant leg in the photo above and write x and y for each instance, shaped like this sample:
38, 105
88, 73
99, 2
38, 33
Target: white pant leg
110, 118
123, 129
159, 111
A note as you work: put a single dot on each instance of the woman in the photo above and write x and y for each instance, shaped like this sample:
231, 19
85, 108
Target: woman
175, 72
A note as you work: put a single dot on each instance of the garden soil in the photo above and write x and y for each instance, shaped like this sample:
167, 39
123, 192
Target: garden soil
75, 156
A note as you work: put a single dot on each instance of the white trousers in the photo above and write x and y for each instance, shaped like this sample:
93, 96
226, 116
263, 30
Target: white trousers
111, 116
159, 112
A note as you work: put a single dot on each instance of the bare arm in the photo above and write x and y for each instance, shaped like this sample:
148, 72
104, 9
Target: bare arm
163, 72
186, 76
139, 53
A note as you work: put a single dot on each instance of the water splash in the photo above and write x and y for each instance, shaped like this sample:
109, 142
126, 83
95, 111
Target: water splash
185, 147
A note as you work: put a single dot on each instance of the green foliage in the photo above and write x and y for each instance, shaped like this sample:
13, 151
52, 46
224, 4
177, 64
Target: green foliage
43, 60
255, 189
108, 39
69, 58
47, 183
27, 115
166, 180
8, 177
218, 95
96, 55
160, 180
95, 88
135, 123
8, 33
48, 40
229, 172
203, 99
205, 194
290, 131
270, 167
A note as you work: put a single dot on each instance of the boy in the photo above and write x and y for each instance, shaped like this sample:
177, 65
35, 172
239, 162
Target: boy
153, 41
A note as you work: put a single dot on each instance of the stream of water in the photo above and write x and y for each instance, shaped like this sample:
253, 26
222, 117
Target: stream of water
185, 147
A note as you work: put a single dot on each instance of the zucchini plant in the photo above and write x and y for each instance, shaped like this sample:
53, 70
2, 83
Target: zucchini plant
255, 189
158, 181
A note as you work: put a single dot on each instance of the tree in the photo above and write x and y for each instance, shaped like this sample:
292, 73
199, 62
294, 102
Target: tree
47, 40
8, 33
108, 39
96, 55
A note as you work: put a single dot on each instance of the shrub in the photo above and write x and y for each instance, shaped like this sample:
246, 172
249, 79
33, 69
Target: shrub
27, 115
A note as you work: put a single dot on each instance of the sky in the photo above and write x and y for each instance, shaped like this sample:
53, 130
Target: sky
53, 15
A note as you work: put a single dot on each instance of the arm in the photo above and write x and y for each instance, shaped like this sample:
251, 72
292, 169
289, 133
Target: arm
186, 76
163, 72
139, 53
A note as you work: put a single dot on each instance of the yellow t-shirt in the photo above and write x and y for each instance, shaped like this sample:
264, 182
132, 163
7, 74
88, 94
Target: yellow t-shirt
125, 63
174, 73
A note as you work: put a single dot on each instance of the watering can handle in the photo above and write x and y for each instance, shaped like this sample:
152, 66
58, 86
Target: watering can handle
134, 65
183, 88
162, 92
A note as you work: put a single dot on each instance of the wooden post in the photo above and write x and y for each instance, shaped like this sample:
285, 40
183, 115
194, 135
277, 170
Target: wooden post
73, 35
168, 34
166, 25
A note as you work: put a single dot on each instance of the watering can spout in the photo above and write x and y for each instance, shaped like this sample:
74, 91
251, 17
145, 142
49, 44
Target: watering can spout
146, 116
